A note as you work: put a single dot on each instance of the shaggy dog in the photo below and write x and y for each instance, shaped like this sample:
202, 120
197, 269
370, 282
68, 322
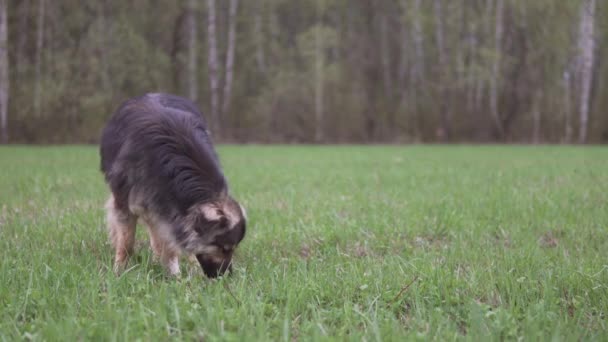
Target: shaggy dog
160, 165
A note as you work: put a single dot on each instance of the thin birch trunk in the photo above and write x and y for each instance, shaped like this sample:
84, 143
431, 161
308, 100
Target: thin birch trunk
496, 69
104, 61
192, 50
213, 68
417, 73
403, 92
480, 42
385, 55
418, 41
444, 131
459, 64
536, 117
586, 46
4, 79
39, 46
472, 42
403, 59
259, 36
472, 80
20, 61
567, 107
230, 56
319, 83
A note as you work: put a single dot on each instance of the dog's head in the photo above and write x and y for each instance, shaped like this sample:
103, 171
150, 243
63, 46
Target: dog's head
221, 226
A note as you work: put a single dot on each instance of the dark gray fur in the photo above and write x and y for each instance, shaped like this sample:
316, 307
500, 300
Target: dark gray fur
157, 148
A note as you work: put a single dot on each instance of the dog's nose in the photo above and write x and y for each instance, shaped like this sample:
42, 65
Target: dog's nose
214, 267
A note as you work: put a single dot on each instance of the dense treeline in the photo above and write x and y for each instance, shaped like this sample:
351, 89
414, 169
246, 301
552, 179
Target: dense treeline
312, 71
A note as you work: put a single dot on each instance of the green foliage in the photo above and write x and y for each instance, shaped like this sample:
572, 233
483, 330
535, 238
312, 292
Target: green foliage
498, 243
96, 55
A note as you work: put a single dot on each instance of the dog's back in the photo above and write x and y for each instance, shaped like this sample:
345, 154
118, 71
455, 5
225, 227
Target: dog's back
159, 144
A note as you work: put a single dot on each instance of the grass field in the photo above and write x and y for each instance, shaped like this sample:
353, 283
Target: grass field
373, 243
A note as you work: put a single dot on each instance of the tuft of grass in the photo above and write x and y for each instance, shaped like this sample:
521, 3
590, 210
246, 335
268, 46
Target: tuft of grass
348, 242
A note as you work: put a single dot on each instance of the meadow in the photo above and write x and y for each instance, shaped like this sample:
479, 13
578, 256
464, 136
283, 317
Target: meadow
343, 243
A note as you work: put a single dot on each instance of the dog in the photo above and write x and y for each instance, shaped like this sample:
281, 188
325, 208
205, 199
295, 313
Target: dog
159, 162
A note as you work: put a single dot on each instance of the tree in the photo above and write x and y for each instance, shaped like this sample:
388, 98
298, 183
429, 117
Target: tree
586, 49
536, 116
567, 106
319, 81
212, 61
39, 47
230, 56
498, 31
445, 128
417, 73
259, 36
192, 50
4, 79
23, 13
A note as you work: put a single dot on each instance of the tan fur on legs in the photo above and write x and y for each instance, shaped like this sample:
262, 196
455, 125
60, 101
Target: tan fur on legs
164, 251
121, 227
170, 258
155, 242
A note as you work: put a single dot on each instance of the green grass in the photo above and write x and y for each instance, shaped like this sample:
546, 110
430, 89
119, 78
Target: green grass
495, 242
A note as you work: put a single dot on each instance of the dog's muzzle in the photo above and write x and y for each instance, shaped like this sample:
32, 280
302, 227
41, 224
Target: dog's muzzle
214, 266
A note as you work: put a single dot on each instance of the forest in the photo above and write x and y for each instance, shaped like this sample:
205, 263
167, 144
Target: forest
312, 71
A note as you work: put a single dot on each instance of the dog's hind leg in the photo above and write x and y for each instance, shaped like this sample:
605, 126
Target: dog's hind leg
121, 226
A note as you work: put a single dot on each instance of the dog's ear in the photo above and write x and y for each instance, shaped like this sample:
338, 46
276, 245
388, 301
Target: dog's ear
210, 211
213, 213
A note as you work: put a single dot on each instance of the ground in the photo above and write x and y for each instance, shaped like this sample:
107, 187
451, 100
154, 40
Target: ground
345, 242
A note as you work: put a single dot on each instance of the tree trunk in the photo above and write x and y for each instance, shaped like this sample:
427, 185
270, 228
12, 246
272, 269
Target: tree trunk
402, 92
418, 41
496, 69
403, 59
479, 42
213, 68
536, 117
319, 82
230, 56
470, 76
567, 107
4, 79
385, 55
586, 48
39, 46
417, 73
460, 52
103, 55
192, 50
23, 12
473, 81
259, 36
444, 130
